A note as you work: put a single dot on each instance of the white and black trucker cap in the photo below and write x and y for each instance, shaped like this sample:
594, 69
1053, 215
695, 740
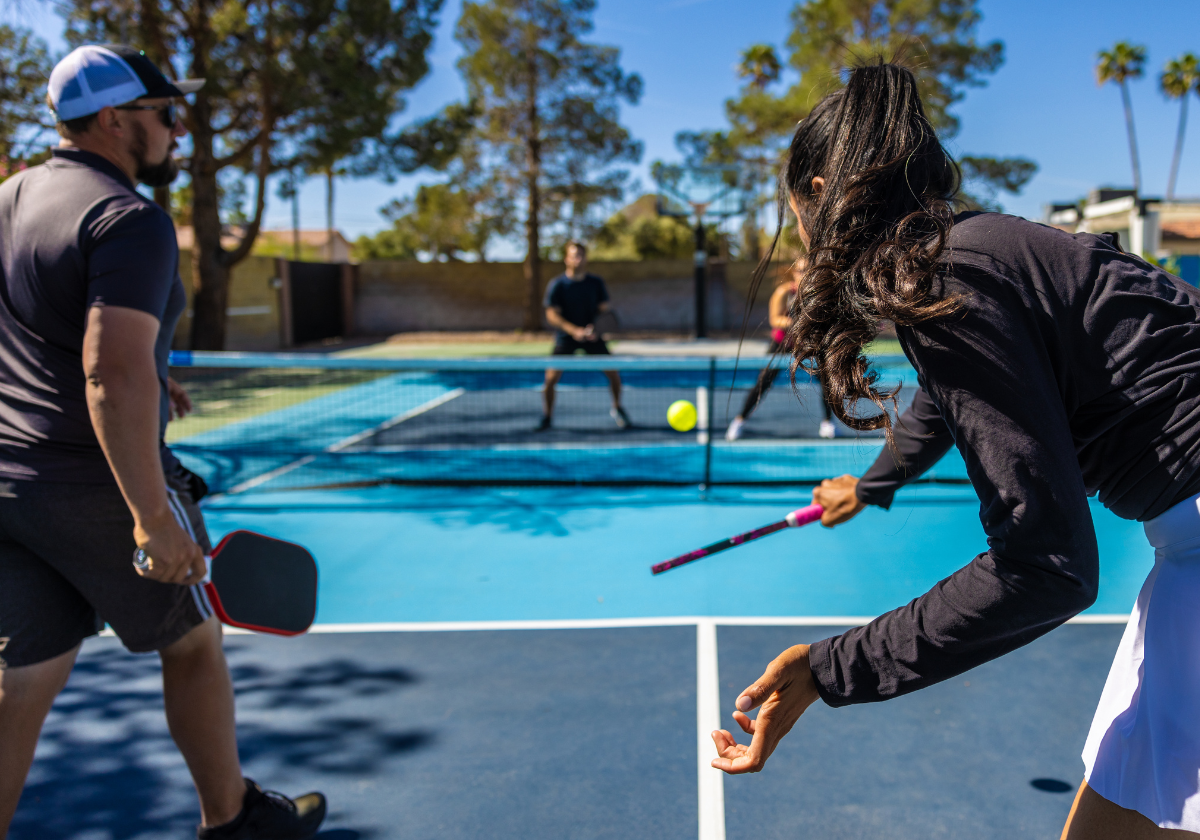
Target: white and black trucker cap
93, 77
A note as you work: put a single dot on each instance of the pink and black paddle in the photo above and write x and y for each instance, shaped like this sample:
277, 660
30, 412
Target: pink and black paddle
795, 519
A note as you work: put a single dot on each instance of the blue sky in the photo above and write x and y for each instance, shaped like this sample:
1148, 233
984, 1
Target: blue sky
1043, 103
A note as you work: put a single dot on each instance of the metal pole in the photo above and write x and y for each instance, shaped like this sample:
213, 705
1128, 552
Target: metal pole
701, 261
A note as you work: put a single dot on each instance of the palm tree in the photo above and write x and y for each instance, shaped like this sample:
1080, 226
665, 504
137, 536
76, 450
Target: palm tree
1179, 78
760, 64
1123, 62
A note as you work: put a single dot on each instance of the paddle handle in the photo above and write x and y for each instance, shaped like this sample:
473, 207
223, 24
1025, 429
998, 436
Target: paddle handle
804, 516
795, 519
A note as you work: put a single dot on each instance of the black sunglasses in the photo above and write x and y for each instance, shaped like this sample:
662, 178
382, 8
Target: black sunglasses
169, 112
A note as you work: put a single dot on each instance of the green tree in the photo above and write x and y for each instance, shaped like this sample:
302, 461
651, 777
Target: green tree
643, 238
284, 80
639, 232
24, 120
549, 109
1179, 79
436, 220
760, 65
935, 38
985, 177
463, 215
388, 244
1123, 62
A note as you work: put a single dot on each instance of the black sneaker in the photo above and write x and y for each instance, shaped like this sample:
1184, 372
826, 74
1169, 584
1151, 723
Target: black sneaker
620, 417
267, 815
544, 425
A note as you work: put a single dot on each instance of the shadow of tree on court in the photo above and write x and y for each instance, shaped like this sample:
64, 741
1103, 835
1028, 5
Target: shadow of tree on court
107, 768
511, 515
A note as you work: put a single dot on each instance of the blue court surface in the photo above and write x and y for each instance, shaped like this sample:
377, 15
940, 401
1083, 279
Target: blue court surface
495, 663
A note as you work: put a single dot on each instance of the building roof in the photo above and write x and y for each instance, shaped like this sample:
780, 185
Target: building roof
1180, 229
312, 238
186, 237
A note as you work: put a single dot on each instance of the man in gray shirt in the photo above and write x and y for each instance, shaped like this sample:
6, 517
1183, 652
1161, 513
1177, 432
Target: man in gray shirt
89, 298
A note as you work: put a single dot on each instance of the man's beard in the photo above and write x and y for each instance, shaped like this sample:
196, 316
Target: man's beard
157, 175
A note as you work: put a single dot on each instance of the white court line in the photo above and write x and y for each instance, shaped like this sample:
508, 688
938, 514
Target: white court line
399, 418
526, 447
591, 624
653, 621
344, 443
267, 476
710, 782
618, 623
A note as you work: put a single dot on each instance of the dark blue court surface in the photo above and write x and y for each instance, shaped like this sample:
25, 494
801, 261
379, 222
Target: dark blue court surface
571, 734
551, 689
970, 758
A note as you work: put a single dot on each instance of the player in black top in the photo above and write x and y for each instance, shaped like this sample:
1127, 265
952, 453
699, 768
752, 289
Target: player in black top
89, 299
1059, 367
573, 302
780, 320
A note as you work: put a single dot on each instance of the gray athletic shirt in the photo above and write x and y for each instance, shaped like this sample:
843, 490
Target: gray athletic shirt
1072, 369
74, 233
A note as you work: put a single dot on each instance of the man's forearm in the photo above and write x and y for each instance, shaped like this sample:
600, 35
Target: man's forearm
557, 321
123, 403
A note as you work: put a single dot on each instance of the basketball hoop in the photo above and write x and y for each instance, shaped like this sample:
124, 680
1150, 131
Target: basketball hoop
711, 190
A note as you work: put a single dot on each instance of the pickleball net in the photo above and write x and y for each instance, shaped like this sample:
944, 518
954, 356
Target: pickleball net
284, 421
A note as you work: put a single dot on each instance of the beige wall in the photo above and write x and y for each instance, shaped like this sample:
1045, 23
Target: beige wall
253, 306
393, 297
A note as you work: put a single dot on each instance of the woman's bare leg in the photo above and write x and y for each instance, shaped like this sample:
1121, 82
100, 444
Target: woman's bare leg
1093, 817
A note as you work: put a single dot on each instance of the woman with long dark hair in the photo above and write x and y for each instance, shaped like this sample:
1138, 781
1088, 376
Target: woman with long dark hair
1060, 367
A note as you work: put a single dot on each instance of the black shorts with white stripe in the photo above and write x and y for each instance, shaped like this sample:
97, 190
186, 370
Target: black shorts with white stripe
66, 569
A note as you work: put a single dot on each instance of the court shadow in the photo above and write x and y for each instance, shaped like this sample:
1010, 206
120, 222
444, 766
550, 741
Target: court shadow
512, 515
1052, 785
106, 765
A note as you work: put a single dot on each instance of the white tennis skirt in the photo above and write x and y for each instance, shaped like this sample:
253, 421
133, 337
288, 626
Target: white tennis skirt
1143, 751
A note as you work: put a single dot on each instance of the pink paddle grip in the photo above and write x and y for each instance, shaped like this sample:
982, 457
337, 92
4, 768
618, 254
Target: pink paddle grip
804, 516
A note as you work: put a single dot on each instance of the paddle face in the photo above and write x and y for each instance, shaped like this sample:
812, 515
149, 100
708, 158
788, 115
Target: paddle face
263, 584
606, 323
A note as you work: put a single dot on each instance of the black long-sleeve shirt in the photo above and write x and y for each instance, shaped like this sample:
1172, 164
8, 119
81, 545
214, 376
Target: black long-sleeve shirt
921, 439
1071, 369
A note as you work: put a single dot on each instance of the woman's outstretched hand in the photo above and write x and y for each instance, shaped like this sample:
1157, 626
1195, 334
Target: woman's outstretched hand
839, 498
783, 692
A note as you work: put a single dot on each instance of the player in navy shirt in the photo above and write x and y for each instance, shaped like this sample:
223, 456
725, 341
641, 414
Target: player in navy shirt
573, 302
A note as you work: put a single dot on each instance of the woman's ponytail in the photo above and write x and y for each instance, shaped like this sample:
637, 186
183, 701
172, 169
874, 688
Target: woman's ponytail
876, 228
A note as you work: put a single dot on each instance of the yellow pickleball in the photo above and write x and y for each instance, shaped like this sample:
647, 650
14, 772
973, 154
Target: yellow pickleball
682, 416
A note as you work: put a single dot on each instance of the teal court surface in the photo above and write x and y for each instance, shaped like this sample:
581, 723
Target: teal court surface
495, 661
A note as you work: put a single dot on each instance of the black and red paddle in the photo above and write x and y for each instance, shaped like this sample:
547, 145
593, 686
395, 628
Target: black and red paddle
263, 584
259, 583
795, 519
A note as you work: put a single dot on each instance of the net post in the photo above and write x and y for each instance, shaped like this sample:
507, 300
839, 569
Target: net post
712, 394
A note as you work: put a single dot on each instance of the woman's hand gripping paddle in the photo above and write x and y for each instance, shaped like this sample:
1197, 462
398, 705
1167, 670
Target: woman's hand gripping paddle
795, 519
261, 584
